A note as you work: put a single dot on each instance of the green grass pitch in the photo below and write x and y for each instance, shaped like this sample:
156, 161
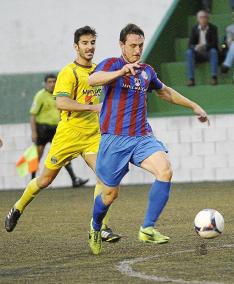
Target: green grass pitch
49, 244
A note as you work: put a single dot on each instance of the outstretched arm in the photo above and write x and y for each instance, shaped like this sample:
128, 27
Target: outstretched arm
65, 103
101, 78
172, 96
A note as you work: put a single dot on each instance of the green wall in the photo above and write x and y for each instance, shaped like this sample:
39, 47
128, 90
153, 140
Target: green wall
17, 92
215, 100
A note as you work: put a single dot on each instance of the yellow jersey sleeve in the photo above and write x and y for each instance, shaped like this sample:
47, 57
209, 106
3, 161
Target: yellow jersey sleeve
37, 104
65, 83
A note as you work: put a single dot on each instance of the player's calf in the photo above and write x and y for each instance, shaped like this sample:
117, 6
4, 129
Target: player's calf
44, 181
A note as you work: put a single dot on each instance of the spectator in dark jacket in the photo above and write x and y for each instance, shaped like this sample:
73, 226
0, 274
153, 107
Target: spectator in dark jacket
203, 46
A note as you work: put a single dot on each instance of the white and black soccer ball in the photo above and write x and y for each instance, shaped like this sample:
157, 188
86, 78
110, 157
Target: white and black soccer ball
209, 223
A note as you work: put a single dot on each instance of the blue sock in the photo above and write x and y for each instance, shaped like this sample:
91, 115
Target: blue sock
99, 212
158, 196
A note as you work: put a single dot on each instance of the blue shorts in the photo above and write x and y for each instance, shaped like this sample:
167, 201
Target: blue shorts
115, 153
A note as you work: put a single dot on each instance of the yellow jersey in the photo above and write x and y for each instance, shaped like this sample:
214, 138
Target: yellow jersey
44, 108
72, 82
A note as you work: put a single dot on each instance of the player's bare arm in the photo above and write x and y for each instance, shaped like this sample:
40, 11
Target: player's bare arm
172, 96
103, 78
65, 103
33, 128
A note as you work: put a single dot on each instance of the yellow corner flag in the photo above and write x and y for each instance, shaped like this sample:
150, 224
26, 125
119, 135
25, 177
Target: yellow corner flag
28, 163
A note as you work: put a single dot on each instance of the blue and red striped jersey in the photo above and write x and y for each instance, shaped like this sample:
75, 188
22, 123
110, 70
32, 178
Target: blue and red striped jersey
124, 110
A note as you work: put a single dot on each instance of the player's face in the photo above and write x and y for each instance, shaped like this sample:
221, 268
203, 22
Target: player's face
86, 47
50, 84
132, 48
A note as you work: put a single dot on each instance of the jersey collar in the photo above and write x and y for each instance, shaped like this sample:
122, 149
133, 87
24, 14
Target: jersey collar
80, 65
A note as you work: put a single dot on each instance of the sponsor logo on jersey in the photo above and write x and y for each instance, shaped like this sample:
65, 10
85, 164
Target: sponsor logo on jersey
94, 92
91, 95
135, 87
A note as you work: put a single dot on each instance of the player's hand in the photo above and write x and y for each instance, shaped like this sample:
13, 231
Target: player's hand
201, 114
130, 69
96, 108
34, 137
1, 143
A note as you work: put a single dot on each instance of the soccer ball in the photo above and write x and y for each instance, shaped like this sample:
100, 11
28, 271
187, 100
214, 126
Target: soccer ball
209, 223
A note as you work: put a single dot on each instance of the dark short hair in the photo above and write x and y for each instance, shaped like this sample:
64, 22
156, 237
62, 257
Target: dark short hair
130, 29
86, 30
49, 76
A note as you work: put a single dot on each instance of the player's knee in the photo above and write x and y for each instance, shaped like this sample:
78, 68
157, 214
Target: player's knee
110, 196
165, 173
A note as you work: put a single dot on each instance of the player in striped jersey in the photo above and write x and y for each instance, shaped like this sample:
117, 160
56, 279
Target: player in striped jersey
127, 135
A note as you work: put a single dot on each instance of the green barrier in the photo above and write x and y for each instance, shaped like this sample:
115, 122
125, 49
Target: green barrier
17, 92
166, 53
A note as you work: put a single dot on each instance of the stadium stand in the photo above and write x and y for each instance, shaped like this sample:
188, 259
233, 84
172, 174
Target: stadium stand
171, 67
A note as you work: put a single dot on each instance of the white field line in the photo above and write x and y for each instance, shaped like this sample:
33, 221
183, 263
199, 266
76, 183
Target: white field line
125, 267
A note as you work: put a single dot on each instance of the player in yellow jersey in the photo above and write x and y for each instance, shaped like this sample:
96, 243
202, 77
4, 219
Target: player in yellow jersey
78, 131
44, 118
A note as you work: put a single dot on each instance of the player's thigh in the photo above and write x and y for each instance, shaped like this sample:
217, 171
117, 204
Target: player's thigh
64, 147
159, 165
109, 194
90, 145
90, 159
112, 160
59, 155
46, 177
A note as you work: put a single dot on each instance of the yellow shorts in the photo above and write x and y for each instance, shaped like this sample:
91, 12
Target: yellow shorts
69, 142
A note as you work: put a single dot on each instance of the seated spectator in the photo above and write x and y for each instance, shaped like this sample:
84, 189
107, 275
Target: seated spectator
203, 46
229, 59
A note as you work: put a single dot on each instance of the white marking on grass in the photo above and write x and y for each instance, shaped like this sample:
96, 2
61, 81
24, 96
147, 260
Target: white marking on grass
125, 267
